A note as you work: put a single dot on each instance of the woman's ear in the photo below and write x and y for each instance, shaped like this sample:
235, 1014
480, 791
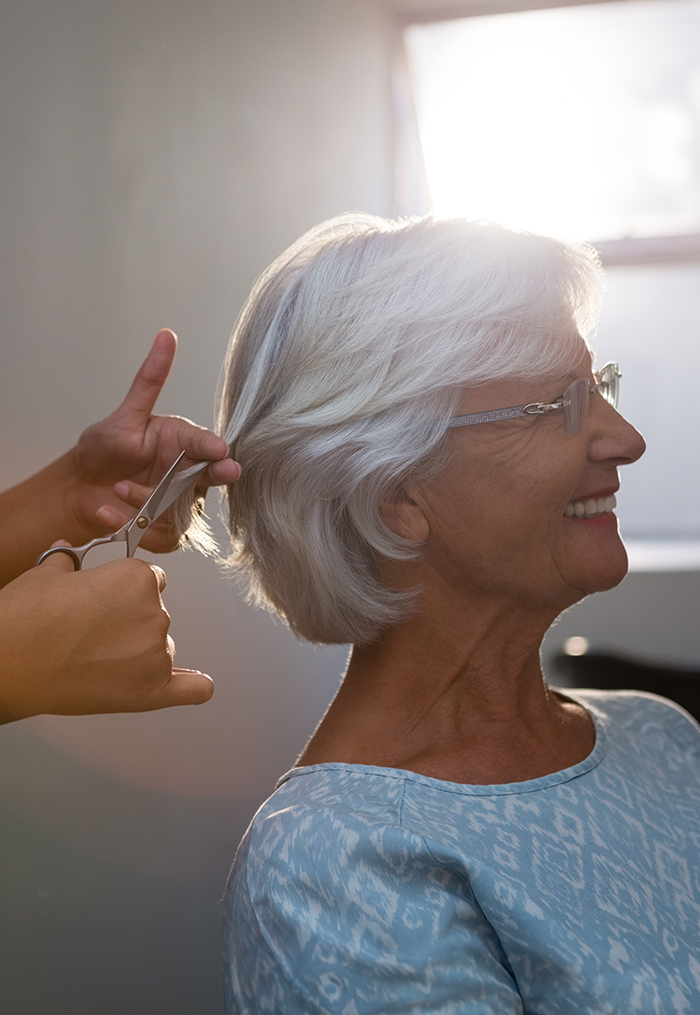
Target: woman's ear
404, 516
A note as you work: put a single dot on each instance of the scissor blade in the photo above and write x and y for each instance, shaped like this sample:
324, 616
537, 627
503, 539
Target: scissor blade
151, 510
179, 485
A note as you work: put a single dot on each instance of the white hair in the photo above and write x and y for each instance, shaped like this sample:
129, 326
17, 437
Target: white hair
341, 376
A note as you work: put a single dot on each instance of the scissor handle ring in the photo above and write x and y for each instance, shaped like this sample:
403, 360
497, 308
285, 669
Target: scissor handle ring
76, 558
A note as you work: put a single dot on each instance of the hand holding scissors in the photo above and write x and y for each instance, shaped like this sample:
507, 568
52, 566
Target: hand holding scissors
163, 496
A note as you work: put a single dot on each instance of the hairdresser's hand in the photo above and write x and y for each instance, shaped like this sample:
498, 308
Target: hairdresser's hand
81, 642
119, 460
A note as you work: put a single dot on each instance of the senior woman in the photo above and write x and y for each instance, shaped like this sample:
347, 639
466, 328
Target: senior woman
429, 473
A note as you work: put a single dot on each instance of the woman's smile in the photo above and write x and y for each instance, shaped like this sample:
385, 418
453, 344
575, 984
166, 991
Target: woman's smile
591, 506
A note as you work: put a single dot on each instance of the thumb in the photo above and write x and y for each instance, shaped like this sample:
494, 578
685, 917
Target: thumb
59, 561
188, 687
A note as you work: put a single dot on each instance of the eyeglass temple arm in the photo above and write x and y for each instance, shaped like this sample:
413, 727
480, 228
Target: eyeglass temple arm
510, 412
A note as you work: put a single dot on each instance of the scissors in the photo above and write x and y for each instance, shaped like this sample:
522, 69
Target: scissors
165, 494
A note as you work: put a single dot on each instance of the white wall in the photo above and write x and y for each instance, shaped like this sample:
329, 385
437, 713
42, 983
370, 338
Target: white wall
156, 156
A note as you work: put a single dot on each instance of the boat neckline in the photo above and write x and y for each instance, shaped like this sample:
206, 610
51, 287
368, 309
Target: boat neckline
563, 775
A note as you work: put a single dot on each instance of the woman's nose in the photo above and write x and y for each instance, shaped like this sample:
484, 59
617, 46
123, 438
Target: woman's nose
614, 438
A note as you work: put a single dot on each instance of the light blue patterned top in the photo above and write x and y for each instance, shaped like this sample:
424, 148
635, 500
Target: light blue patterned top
362, 890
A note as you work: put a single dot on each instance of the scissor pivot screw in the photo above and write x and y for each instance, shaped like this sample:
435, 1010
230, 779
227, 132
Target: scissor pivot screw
142, 522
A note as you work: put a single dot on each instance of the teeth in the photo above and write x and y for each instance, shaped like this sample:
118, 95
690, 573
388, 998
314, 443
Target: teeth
590, 508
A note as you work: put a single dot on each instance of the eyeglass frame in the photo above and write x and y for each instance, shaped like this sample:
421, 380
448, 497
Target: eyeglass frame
571, 402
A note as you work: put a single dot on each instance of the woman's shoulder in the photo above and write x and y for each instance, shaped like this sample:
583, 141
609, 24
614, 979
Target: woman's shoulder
648, 722
330, 892
331, 832
333, 792
632, 707
321, 804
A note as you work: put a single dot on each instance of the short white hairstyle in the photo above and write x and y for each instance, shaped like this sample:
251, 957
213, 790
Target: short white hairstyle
342, 373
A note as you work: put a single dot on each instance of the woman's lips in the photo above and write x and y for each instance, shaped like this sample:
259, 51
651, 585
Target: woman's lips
605, 521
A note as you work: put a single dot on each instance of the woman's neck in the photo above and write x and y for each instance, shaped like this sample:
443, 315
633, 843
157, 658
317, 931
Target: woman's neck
462, 700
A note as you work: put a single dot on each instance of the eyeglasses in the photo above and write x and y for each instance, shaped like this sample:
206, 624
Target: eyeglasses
574, 402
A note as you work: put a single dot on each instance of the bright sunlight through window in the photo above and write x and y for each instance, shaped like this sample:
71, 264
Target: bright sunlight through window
580, 121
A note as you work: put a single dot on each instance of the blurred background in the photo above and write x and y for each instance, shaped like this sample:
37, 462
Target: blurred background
155, 156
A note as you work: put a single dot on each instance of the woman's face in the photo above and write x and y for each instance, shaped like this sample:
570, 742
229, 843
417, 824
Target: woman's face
496, 519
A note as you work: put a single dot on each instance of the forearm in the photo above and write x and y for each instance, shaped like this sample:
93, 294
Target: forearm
35, 513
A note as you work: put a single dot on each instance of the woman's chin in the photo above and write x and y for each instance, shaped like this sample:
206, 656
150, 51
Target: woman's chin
611, 577
601, 558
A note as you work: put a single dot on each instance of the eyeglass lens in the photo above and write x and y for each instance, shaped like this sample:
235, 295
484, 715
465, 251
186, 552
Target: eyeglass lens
577, 396
608, 383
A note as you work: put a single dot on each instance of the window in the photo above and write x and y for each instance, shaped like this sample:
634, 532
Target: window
580, 120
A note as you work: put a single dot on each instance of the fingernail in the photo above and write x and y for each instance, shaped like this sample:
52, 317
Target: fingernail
107, 515
122, 490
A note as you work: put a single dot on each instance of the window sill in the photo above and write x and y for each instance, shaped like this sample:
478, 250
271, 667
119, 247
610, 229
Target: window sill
647, 555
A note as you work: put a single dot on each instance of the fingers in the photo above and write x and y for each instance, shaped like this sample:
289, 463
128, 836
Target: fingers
111, 518
58, 561
200, 444
135, 494
152, 375
220, 474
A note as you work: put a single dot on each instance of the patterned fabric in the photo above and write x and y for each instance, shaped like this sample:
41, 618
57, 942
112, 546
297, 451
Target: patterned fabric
361, 890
